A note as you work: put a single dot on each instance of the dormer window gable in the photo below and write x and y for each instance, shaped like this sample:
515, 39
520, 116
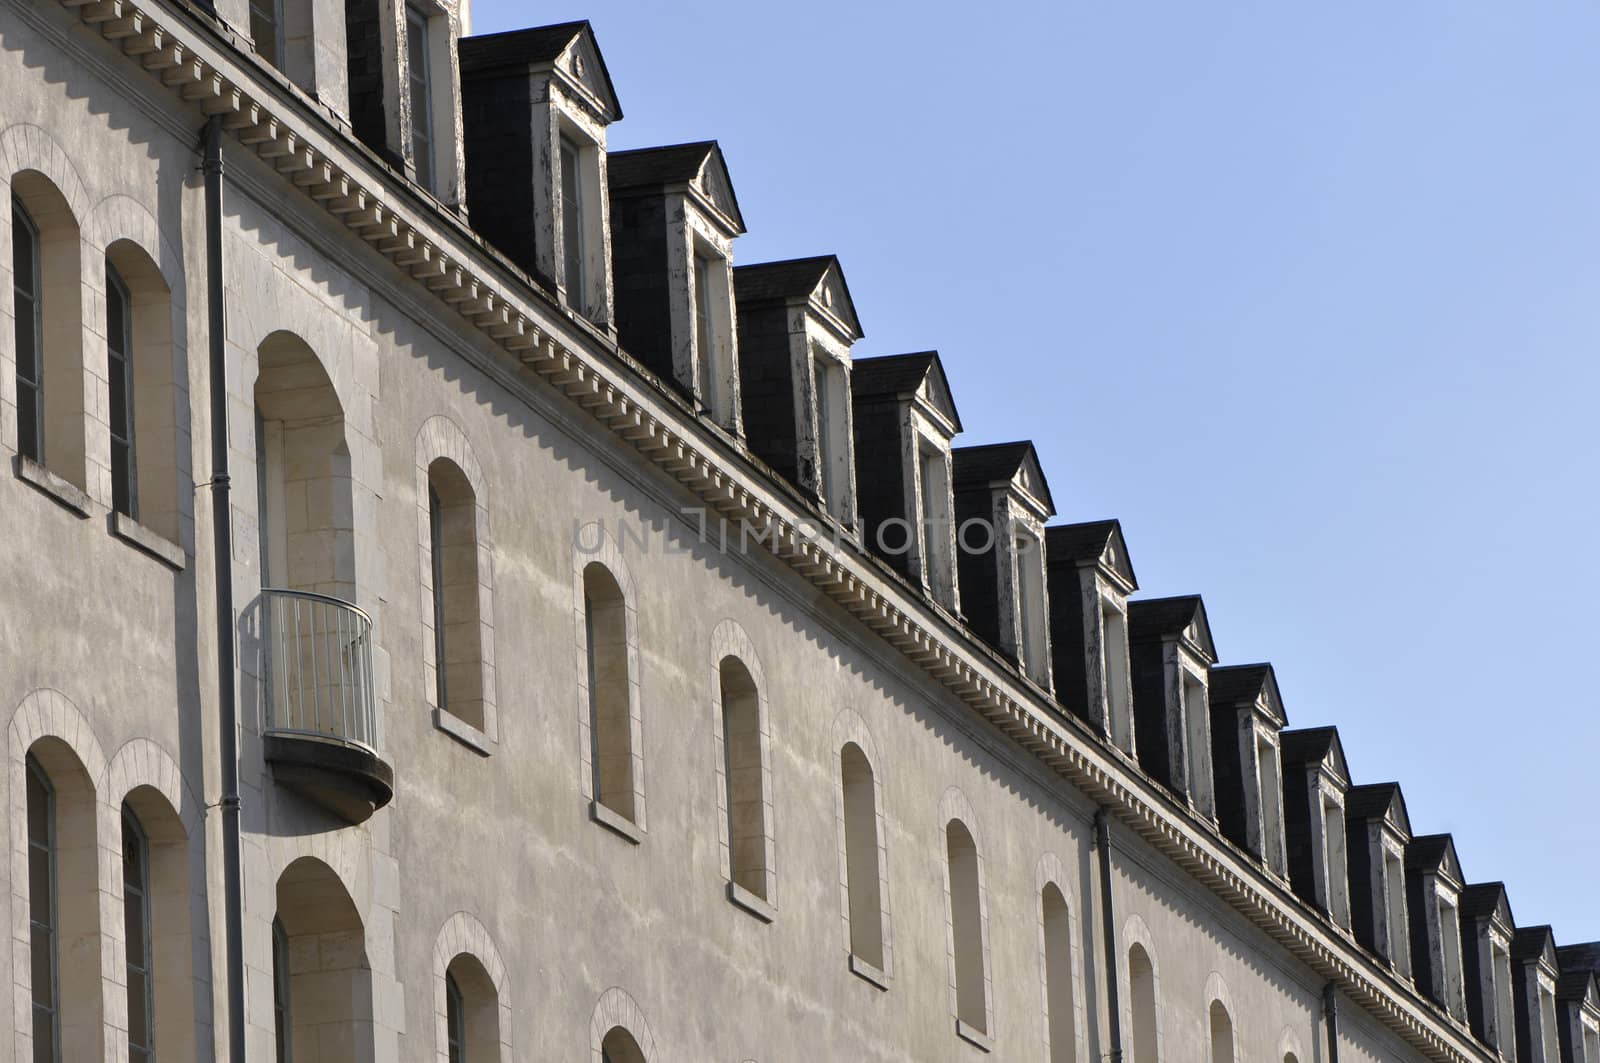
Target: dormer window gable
905, 417
1433, 896
674, 219
1090, 579
1316, 779
1246, 718
1172, 654
536, 104
1377, 831
1578, 1002
1001, 504
796, 325
1536, 969
1487, 927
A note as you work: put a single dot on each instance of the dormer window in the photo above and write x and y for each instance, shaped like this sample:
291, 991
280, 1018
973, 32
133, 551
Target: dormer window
712, 347
266, 30
830, 398
1246, 717
1335, 863
1433, 888
1398, 949
936, 531
1171, 655
535, 105
1090, 578
1001, 504
420, 74
1377, 831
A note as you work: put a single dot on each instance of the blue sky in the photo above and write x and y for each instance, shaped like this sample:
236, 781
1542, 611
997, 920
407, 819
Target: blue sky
1304, 294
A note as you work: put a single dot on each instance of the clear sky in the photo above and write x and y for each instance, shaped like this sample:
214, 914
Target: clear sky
1305, 294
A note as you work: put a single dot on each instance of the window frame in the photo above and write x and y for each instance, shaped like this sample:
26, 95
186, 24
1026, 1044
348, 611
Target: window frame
51, 926
119, 355
436, 539
30, 429
574, 220
455, 1020
134, 830
282, 993
422, 134
271, 13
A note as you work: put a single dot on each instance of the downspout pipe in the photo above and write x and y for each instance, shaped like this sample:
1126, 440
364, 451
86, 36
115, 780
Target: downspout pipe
1330, 1019
222, 556
1108, 917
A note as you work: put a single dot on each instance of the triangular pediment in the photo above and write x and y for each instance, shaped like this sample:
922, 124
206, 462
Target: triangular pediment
934, 393
1115, 557
1198, 630
1030, 478
716, 187
832, 296
581, 64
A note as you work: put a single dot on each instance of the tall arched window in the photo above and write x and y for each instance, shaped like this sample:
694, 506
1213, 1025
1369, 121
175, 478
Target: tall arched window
1058, 974
966, 927
457, 628
863, 882
1142, 991
324, 997
620, 1047
610, 703
472, 1012
143, 390
47, 287
42, 925
744, 776
1221, 1033
136, 936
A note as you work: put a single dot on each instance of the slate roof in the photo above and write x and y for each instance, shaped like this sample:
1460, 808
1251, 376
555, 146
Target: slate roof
794, 278
668, 164
540, 44
1154, 619
1238, 684
1479, 900
1309, 745
1432, 852
996, 463
1580, 968
899, 374
1530, 942
1373, 800
1087, 541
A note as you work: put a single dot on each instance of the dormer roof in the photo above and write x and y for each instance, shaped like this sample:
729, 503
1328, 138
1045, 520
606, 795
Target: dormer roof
1536, 943
1379, 800
915, 377
1435, 853
1182, 618
568, 50
1487, 900
1095, 542
1247, 686
1580, 973
698, 168
1314, 745
1010, 465
818, 281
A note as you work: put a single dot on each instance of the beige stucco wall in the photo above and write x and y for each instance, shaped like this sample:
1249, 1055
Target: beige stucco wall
498, 853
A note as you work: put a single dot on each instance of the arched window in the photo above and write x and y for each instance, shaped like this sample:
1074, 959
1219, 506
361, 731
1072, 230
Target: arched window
457, 626
47, 287
610, 698
744, 779
63, 906
136, 936
1058, 975
472, 1012
620, 1047
1221, 1033
143, 393
1142, 991
863, 882
966, 927
325, 996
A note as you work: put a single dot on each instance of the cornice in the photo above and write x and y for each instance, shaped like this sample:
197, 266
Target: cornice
189, 56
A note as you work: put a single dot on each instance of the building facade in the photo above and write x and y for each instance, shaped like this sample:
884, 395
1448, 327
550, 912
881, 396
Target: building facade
450, 610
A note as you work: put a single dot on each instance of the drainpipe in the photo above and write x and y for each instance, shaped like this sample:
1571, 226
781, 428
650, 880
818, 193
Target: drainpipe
222, 551
1102, 846
1330, 1018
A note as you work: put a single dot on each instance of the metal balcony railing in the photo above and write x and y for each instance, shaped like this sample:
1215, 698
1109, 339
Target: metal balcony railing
318, 668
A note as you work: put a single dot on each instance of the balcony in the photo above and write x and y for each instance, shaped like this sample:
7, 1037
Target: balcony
320, 708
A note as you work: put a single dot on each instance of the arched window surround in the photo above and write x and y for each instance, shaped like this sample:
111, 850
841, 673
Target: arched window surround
617, 1010
729, 640
849, 729
464, 937
1222, 1036
1136, 933
593, 545
440, 439
956, 810
1052, 872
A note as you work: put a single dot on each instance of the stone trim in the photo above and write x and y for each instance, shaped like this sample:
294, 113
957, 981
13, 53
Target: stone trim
1053, 872
849, 728
729, 639
593, 544
1135, 931
259, 119
1216, 992
1289, 1045
439, 437
463, 933
954, 805
146, 541
616, 1008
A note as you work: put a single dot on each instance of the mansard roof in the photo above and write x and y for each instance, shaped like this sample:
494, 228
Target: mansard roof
699, 165
1314, 745
819, 279
541, 47
906, 376
1098, 541
1002, 463
1487, 900
1537, 943
1436, 853
1580, 972
1377, 800
1183, 617
1247, 684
